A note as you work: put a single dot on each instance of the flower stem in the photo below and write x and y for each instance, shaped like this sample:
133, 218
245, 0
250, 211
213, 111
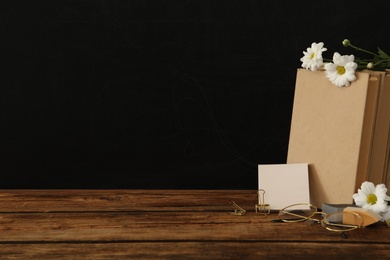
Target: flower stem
362, 50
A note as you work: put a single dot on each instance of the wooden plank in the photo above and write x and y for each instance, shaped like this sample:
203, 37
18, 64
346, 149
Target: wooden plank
123, 200
169, 226
194, 250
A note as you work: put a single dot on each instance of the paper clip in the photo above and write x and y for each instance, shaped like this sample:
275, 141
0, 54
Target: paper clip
262, 208
238, 211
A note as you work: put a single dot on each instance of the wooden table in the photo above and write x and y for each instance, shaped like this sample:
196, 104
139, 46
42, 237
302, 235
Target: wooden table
165, 224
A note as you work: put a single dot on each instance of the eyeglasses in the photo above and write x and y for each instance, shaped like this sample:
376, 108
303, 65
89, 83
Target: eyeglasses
337, 222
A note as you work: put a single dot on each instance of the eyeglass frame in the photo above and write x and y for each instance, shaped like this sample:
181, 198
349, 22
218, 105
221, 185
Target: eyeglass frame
324, 215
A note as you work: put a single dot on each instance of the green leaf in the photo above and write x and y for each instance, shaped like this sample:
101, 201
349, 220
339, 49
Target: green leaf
383, 55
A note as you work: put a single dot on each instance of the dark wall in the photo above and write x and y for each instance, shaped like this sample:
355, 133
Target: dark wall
159, 94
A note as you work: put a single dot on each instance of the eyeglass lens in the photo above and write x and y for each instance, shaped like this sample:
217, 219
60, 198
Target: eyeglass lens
342, 221
297, 212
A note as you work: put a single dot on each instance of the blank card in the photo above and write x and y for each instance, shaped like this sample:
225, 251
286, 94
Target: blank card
284, 184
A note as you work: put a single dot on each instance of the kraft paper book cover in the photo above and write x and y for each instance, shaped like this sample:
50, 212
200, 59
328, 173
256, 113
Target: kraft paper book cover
378, 168
386, 113
332, 129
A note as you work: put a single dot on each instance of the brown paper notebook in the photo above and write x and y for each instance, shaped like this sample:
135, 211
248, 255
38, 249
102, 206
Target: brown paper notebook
332, 129
378, 170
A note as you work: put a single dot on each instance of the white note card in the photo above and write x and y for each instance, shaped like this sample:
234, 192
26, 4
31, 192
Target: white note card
284, 184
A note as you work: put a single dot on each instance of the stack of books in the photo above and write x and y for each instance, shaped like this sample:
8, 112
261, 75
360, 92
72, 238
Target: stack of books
341, 132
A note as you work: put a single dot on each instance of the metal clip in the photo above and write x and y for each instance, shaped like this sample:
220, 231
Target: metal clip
238, 211
262, 208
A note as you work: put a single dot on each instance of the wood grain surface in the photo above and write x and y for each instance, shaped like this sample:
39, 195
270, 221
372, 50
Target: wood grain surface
165, 224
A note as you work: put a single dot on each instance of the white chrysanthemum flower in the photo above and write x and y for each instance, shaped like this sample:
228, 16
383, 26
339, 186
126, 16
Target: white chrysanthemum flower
342, 71
372, 197
312, 58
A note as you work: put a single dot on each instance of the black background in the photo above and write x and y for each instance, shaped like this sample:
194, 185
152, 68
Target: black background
159, 94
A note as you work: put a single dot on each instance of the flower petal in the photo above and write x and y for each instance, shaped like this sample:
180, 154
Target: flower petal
368, 188
379, 207
359, 198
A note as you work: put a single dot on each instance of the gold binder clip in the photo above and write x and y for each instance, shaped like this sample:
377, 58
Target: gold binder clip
262, 208
238, 211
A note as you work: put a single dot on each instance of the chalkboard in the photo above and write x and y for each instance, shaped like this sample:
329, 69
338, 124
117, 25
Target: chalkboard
159, 94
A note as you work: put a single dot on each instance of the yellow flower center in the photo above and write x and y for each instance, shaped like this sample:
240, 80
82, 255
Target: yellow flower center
312, 56
340, 70
371, 199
